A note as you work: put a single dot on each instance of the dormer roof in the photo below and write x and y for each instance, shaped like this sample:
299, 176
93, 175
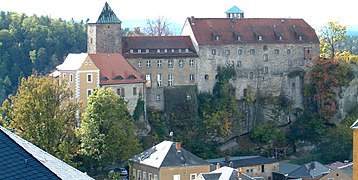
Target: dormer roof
107, 15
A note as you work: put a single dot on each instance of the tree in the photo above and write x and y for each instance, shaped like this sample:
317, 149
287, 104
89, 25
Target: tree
158, 27
107, 132
41, 113
331, 34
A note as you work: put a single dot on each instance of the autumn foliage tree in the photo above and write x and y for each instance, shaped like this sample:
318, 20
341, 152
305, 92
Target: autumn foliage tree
41, 113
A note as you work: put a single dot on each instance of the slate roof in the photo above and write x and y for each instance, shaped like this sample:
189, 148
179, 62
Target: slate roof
286, 168
347, 169
243, 161
248, 29
115, 69
234, 10
165, 155
211, 176
310, 170
223, 173
72, 62
107, 15
153, 43
19, 159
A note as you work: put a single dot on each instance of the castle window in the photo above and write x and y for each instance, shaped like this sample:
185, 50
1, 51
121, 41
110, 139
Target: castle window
89, 92
265, 57
139, 63
252, 51
170, 79
191, 77
277, 52
260, 37
289, 62
266, 69
206, 77
191, 62
265, 48
227, 52
288, 51
170, 63
159, 63
131, 51
213, 52
307, 53
157, 97
134, 91
238, 64
148, 80
181, 63
148, 63
89, 78
159, 80
239, 52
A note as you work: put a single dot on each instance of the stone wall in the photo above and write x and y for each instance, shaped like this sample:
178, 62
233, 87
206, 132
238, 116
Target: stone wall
104, 38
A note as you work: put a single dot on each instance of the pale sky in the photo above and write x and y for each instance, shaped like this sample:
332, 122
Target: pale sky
315, 12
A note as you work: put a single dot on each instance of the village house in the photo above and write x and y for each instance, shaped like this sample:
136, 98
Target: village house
167, 160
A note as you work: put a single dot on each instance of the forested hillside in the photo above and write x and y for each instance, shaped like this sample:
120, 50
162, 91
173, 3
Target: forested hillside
32, 44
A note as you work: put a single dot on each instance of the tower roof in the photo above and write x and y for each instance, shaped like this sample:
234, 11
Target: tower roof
234, 10
107, 15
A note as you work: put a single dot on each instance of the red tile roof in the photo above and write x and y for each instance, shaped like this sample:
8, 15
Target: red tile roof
115, 69
152, 43
205, 30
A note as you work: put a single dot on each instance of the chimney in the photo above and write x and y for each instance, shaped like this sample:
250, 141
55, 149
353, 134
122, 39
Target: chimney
312, 166
178, 146
192, 20
217, 166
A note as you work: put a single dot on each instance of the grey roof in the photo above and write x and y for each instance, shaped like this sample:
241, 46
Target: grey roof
165, 154
107, 15
243, 161
348, 169
234, 9
211, 176
19, 159
310, 170
286, 168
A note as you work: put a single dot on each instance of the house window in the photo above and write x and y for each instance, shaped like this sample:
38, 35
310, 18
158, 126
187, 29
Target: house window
181, 63
262, 168
71, 78
252, 51
159, 80
238, 64
157, 97
239, 52
191, 62
191, 77
260, 37
206, 77
288, 51
265, 48
170, 63
176, 177
155, 177
139, 175
134, 91
170, 79
227, 52
213, 52
265, 57
307, 53
277, 52
144, 175
150, 176
148, 63
159, 63
121, 92
89, 92
192, 176
148, 80
89, 78
139, 63
134, 174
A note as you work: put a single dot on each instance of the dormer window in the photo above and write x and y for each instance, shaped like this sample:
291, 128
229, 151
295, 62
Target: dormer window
104, 79
173, 50
118, 78
260, 37
131, 51
238, 38
300, 38
180, 50
158, 50
217, 37
139, 51
279, 38
165, 50
186, 50
131, 77
147, 50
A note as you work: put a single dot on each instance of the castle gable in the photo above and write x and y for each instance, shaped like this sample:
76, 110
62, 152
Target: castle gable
221, 31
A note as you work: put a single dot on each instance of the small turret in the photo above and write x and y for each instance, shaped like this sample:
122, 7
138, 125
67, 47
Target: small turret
234, 12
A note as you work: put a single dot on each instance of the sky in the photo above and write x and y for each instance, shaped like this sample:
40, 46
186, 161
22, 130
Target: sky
315, 12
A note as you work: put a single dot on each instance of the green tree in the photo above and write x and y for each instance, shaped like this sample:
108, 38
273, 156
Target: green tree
331, 34
41, 113
107, 132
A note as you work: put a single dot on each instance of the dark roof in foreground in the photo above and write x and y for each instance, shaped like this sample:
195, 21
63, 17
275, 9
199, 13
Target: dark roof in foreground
243, 161
225, 31
19, 159
165, 154
286, 168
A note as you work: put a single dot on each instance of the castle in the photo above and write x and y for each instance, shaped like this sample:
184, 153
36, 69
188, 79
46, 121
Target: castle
264, 52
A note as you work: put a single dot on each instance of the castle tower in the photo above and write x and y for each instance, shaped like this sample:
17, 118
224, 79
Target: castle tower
234, 12
355, 150
104, 36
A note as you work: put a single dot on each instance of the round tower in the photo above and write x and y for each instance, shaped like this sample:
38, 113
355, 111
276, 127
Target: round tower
104, 36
